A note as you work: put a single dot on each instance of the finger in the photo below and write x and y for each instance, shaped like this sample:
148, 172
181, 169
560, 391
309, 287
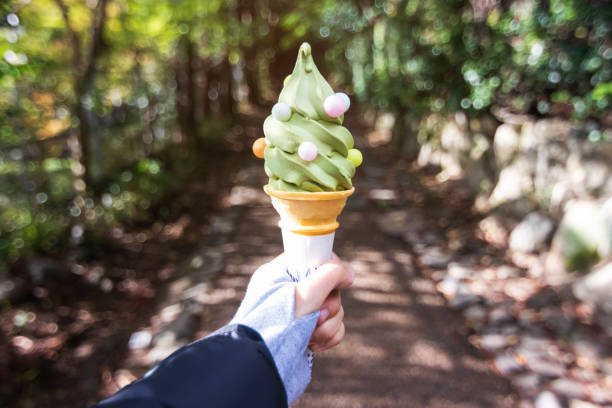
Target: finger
330, 307
328, 329
337, 339
312, 291
351, 275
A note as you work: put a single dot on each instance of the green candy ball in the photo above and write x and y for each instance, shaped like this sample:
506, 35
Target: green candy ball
355, 157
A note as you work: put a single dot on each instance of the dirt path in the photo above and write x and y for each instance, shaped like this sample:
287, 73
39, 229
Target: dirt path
403, 347
183, 277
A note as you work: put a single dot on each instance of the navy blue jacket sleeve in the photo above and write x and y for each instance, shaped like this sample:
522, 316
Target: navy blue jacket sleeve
230, 368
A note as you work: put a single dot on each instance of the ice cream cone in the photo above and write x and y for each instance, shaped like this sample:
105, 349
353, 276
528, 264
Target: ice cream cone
308, 223
310, 160
309, 213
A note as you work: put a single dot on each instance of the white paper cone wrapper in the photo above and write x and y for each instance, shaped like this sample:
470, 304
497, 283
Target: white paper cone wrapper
307, 251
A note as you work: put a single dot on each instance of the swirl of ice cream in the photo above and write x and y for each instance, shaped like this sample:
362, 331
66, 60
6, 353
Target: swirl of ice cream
304, 92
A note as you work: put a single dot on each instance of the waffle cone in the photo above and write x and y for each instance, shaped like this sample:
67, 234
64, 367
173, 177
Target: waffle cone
308, 213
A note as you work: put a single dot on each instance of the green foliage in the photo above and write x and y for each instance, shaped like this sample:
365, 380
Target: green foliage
544, 58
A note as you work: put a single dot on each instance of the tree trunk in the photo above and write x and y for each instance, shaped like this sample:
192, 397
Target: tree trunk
226, 98
84, 148
203, 85
185, 90
251, 75
403, 137
84, 71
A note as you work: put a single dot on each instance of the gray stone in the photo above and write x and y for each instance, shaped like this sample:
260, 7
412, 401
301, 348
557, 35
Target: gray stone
528, 138
506, 364
458, 271
435, 258
531, 234
544, 367
476, 316
510, 329
380, 194
547, 399
493, 342
505, 143
506, 271
454, 135
456, 145
500, 315
464, 298
514, 181
527, 318
596, 288
140, 339
601, 396
606, 216
475, 173
596, 173
535, 343
606, 366
568, 388
581, 237
605, 320
245, 195
527, 383
557, 321
524, 403
544, 297
548, 130
575, 403
449, 286
457, 293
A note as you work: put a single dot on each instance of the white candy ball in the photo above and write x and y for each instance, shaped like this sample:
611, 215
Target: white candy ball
281, 111
346, 99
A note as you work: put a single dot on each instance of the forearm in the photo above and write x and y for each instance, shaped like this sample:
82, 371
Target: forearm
230, 368
269, 308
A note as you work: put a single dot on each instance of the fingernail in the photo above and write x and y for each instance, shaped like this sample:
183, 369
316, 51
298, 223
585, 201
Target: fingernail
323, 315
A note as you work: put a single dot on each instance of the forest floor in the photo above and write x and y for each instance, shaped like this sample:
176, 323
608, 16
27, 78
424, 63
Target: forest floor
409, 343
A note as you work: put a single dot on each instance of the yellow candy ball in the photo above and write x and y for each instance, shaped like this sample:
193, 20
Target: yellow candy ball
286, 80
355, 157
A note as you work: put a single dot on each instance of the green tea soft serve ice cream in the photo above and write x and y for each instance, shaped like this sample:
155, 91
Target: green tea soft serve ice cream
310, 160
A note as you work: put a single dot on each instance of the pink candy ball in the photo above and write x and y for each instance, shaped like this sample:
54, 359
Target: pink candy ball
308, 151
334, 105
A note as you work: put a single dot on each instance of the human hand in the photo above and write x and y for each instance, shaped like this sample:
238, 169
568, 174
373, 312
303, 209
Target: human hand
321, 291
285, 311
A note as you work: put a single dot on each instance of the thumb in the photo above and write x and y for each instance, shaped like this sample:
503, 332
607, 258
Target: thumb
311, 292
